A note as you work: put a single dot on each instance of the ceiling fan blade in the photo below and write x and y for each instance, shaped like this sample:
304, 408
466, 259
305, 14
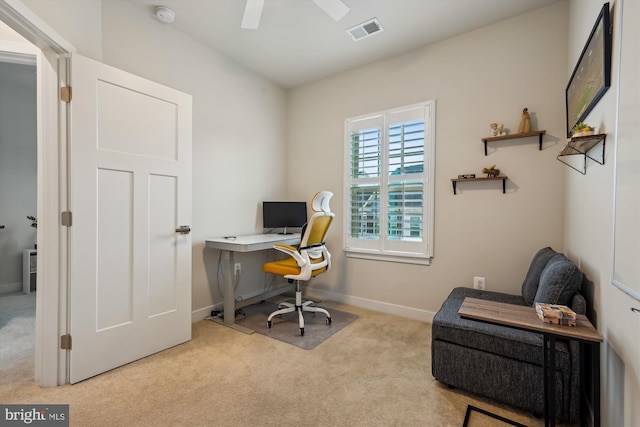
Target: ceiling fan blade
334, 8
252, 13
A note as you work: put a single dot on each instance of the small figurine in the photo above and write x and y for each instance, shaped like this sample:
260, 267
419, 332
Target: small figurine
491, 171
496, 129
525, 122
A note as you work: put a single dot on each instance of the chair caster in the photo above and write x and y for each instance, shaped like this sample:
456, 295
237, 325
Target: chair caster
302, 331
269, 324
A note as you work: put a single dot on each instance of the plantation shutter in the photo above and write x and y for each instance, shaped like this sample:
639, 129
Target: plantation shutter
389, 202
366, 171
405, 186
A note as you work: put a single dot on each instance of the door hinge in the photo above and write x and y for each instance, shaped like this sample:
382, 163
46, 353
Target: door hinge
65, 342
67, 219
65, 94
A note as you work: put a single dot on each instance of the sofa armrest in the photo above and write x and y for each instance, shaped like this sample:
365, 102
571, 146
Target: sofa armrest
578, 304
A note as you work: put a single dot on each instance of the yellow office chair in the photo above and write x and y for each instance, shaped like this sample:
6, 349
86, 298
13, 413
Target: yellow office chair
309, 260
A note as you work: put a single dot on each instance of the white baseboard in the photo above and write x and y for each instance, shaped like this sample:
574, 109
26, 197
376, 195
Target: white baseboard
241, 301
380, 306
9, 288
205, 312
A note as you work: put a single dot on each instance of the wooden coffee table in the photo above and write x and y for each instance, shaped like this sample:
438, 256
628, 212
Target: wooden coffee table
523, 317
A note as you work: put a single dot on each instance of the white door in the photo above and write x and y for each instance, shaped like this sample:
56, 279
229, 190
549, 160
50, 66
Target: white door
130, 190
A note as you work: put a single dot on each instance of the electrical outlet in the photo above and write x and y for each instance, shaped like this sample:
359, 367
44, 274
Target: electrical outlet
237, 269
478, 283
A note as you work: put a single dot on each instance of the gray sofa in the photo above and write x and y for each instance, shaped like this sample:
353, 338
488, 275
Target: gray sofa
505, 364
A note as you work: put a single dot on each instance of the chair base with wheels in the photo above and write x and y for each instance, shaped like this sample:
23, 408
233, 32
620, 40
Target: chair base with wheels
300, 307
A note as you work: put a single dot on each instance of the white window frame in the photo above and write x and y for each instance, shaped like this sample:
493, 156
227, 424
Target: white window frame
384, 249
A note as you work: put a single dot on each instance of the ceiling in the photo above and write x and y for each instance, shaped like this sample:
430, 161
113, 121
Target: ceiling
297, 43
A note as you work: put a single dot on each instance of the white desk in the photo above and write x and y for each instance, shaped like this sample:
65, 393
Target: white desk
250, 243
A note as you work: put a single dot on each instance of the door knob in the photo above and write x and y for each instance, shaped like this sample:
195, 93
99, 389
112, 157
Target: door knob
183, 229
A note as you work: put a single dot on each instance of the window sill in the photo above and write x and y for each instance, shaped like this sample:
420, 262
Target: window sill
420, 260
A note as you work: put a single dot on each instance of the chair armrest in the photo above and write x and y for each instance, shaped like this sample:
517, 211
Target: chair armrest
292, 252
284, 248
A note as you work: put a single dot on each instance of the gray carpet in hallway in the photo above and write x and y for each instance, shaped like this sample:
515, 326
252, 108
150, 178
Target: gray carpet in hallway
17, 329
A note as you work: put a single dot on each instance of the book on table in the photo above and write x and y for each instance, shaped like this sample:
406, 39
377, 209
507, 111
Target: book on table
556, 314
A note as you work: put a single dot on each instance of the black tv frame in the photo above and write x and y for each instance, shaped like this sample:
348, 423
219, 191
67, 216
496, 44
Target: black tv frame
577, 87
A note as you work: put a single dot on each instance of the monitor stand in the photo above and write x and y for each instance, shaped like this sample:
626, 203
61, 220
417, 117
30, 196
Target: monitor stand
284, 231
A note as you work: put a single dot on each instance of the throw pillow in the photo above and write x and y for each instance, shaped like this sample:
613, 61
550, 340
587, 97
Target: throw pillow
538, 263
559, 280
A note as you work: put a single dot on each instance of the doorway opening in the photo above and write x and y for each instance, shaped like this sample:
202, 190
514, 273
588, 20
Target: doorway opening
50, 51
18, 203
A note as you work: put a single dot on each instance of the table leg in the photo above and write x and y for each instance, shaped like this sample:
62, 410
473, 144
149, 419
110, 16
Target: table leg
595, 366
229, 313
228, 246
552, 380
545, 377
549, 374
583, 386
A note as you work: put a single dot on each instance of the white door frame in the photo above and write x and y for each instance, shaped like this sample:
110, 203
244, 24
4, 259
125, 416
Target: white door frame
51, 363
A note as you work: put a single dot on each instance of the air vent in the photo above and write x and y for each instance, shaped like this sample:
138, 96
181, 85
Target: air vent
365, 29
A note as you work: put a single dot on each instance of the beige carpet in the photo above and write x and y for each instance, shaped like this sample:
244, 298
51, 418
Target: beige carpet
375, 372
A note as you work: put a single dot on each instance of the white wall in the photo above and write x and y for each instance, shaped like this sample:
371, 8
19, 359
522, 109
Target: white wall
588, 237
79, 22
18, 163
484, 76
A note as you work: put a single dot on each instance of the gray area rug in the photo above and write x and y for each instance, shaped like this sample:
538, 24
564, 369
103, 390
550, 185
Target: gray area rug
17, 329
285, 327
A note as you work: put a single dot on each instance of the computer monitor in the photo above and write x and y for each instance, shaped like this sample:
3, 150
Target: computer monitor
283, 215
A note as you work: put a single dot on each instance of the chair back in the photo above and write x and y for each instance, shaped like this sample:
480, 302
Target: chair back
315, 231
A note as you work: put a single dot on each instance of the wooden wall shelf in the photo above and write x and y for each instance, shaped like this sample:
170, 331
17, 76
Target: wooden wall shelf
580, 146
455, 181
537, 133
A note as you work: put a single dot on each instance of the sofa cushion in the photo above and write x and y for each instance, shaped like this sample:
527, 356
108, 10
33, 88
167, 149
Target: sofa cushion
538, 263
559, 280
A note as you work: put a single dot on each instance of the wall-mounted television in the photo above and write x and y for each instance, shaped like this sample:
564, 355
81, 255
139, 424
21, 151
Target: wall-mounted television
592, 75
284, 215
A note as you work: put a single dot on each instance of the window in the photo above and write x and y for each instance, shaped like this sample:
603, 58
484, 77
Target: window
389, 162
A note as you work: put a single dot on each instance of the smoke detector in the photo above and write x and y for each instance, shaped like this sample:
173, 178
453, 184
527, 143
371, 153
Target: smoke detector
164, 14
